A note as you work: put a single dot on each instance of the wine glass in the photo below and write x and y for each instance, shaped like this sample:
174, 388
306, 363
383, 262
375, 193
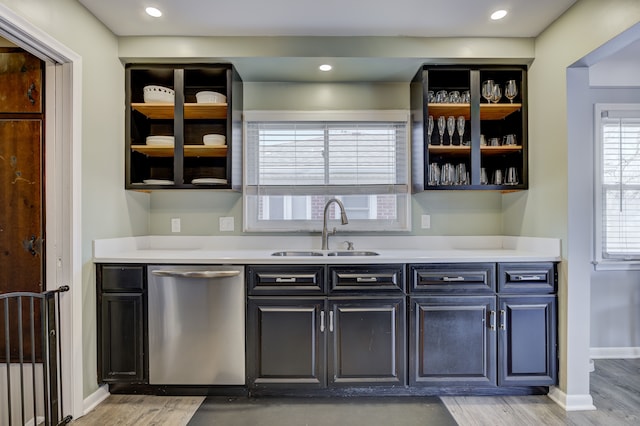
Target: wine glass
451, 128
487, 90
511, 90
461, 128
430, 127
441, 127
496, 94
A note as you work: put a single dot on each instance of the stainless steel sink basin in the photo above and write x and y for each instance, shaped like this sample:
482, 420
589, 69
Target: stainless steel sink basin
352, 253
297, 253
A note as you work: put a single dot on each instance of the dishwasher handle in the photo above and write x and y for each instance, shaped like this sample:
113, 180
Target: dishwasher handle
196, 274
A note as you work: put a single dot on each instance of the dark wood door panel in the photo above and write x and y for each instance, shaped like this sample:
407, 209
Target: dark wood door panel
21, 82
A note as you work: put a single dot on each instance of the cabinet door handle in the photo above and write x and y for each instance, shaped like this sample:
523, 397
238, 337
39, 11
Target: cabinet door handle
492, 320
286, 280
321, 321
331, 321
452, 278
366, 279
503, 320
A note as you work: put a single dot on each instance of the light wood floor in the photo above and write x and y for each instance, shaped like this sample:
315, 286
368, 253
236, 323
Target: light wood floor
615, 387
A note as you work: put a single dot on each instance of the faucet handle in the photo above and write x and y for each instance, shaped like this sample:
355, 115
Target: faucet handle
349, 245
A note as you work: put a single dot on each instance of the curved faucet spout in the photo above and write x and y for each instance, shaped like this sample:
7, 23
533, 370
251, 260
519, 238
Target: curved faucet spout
343, 219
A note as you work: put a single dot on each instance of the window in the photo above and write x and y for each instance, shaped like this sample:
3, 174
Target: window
296, 161
618, 182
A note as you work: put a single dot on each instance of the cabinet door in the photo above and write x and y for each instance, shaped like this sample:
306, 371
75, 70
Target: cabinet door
452, 341
121, 342
367, 341
286, 343
527, 341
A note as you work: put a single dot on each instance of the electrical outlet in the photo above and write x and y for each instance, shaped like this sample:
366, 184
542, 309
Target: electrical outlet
175, 224
426, 221
226, 224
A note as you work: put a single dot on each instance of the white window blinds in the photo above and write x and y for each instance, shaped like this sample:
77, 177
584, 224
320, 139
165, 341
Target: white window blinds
618, 197
294, 163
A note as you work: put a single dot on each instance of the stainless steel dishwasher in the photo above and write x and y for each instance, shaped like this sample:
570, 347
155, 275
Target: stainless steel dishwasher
196, 325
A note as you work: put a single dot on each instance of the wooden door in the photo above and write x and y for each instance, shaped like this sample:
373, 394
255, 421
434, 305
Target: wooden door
21, 188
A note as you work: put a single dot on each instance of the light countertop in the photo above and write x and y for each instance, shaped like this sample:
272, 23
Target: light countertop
259, 249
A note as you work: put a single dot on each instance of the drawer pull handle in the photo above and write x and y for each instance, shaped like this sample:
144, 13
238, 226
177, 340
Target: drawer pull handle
529, 278
366, 279
321, 321
196, 274
286, 280
448, 279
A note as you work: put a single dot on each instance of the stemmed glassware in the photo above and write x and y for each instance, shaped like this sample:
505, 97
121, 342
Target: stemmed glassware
496, 94
460, 123
487, 90
441, 127
451, 128
511, 90
430, 127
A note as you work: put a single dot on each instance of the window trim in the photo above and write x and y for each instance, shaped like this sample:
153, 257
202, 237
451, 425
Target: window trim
600, 262
403, 203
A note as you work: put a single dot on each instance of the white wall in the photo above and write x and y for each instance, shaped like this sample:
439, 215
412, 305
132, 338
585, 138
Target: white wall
107, 210
544, 210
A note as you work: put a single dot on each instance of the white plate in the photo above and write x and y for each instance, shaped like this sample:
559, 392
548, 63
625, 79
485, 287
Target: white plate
208, 181
158, 182
160, 140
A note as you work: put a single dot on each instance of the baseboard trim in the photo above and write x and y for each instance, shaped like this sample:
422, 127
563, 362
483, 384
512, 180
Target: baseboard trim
571, 402
95, 398
615, 353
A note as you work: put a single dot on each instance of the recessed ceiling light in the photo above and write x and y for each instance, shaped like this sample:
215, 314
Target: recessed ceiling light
325, 67
498, 14
152, 11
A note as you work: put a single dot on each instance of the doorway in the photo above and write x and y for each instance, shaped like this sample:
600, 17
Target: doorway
21, 184
61, 189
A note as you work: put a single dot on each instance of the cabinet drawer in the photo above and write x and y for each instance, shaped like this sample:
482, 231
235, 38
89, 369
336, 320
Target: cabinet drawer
121, 277
453, 278
378, 278
534, 277
285, 279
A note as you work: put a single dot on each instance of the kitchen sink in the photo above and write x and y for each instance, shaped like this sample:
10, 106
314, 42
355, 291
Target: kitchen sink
297, 253
352, 253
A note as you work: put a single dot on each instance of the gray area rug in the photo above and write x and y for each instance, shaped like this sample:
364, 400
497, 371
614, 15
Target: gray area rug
321, 411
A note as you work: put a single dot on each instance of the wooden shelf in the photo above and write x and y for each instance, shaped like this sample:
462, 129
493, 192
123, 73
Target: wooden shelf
500, 150
487, 111
497, 111
450, 109
449, 149
164, 111
189, 150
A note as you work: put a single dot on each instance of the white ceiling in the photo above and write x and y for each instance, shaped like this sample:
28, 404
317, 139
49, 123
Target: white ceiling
411, 18
416, 18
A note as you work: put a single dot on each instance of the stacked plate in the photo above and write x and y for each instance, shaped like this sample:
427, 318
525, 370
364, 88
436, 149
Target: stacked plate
208, 97
160, 140
208, 181
213, 139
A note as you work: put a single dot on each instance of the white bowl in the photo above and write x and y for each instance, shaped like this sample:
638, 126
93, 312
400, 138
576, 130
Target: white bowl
158, 94
214, 139
208, 97
160, 140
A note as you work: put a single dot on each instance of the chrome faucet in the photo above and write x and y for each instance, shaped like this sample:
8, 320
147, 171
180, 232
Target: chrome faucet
343, 219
